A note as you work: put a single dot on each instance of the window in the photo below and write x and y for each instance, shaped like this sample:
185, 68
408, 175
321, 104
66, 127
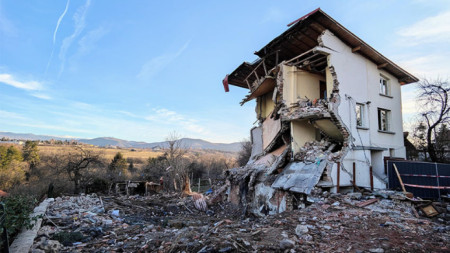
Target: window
384, 119
384, 86
360, 115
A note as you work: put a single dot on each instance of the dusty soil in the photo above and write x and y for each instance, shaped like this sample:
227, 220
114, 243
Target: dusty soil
169, 223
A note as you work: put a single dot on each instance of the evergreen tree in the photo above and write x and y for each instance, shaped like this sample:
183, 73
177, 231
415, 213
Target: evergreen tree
118, 166
7, 155
30, 154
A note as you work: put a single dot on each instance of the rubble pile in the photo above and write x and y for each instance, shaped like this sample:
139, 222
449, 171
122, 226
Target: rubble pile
356, 222
305, 108
314, 151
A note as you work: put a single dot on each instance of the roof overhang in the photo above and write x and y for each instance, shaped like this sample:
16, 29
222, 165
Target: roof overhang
302, 36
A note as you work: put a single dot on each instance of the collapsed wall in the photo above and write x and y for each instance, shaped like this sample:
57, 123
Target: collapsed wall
298, 143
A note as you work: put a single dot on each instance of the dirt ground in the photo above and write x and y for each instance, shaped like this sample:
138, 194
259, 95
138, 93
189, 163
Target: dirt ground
170, 223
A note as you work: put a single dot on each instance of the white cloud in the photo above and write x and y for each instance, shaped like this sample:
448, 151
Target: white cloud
55, 127
429, 65
5, 115
79, 19
41, 96
129, 114
157, 64
25, 85
84, 106
176, 120
87, 42
434, 29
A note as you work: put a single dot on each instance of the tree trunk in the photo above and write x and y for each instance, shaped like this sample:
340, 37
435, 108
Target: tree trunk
430, 148
76, 183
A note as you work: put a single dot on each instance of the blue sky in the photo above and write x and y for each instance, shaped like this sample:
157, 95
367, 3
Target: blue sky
138, 70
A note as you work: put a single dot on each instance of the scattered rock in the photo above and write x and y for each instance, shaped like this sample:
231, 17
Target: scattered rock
300, 230
376, 250
354, 195
287, 244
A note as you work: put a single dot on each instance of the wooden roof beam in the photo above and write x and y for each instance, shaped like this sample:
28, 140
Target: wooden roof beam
383, 65
356, 49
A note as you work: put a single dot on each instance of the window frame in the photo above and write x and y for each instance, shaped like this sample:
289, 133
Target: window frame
387, 127
362, 115
384, 87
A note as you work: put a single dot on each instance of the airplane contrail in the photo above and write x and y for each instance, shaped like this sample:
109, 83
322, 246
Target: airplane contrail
54, 35
59, 21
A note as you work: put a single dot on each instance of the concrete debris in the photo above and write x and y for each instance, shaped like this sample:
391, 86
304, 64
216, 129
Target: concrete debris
317, 150
287, 244
50, 245
162, 223
305, 108
301, 230
300, 177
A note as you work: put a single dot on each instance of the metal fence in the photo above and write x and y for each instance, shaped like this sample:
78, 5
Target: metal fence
4, 243
423, 179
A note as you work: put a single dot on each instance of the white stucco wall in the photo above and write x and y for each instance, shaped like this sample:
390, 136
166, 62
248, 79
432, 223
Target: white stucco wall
359, 83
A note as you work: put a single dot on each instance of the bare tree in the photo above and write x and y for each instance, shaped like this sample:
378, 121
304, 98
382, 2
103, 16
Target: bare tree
76, 162
245, 152
434, 101
179, 165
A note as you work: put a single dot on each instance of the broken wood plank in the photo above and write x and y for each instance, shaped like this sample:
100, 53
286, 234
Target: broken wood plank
408, 194
429, 211
367, 202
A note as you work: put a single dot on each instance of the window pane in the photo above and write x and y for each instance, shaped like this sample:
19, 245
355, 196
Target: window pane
383, 86
383, 119
359, 116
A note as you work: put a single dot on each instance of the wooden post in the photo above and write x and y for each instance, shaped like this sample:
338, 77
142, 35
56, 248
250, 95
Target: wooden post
399, 178
354, 175
198, 190
338, 175
371, 178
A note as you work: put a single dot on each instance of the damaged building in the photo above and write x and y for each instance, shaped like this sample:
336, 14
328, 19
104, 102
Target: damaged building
329, 114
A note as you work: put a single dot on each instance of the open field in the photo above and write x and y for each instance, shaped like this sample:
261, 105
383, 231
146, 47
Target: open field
107, 153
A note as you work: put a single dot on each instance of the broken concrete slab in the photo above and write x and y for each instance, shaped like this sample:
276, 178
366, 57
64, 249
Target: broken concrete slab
257, 142
300, 177
271, 128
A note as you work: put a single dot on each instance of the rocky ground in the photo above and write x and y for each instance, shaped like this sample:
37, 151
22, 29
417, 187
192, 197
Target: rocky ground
169, 223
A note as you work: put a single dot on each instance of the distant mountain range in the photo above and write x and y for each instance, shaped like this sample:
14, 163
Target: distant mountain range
109, 141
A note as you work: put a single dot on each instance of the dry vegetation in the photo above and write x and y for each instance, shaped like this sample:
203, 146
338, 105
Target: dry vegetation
107, 153
91, 168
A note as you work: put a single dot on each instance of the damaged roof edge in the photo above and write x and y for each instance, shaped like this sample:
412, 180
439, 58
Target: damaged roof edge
345, 35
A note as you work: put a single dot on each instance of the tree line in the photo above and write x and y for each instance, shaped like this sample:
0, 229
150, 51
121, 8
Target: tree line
81, 168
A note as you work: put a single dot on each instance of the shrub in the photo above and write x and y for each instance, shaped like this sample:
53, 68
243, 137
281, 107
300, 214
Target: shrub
18, 210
